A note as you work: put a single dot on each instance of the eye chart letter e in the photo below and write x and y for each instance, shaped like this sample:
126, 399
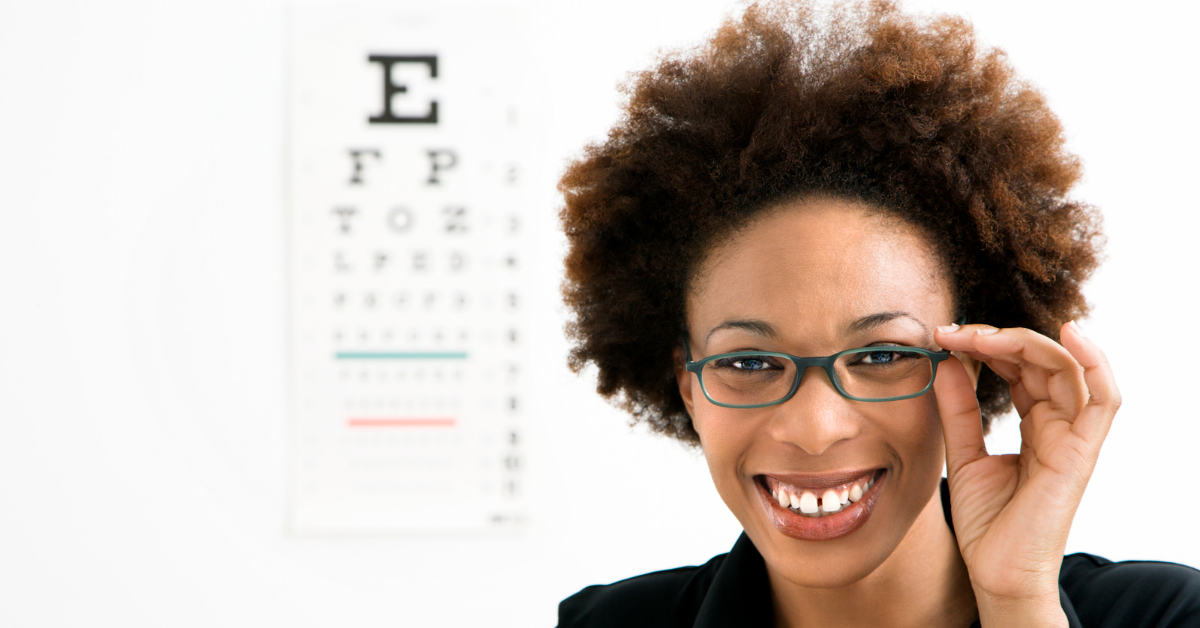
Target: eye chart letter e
406, 199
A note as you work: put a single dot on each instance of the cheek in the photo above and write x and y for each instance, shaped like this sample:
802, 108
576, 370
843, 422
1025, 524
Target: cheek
726, 436
718, 431
916, 432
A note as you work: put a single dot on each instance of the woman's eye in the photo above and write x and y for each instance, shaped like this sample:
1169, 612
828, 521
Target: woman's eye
879, 357
751, 364
886, 357
745, 363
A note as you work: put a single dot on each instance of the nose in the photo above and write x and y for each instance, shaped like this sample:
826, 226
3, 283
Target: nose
816, 417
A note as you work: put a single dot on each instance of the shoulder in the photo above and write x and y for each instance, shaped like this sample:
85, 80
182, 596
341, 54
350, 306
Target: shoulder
662, 598
1131, 593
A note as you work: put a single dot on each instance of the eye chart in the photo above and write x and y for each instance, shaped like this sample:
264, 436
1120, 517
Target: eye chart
407, 145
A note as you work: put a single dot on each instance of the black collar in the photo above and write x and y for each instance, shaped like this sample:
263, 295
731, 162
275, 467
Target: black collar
740, 594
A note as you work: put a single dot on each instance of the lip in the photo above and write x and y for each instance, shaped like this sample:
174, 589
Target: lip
829, 527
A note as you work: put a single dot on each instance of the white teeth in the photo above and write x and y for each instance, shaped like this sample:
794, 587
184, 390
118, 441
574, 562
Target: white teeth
820, 502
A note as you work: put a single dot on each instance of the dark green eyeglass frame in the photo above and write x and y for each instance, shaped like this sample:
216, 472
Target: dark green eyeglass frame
803, 364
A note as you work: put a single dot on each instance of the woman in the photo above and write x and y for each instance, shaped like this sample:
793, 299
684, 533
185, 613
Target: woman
828, 252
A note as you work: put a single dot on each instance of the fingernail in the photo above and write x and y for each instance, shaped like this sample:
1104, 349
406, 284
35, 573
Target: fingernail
948, 329
987, 331
1078, 329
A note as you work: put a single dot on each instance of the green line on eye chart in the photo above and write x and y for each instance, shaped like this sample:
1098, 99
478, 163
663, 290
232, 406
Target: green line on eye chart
414, 355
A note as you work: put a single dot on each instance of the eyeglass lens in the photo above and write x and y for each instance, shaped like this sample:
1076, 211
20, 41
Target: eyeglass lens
757, 379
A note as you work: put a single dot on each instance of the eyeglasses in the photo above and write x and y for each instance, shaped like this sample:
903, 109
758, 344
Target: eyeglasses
757, 379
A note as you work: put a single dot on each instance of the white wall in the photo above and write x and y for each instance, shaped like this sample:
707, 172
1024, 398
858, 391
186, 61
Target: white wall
142, 390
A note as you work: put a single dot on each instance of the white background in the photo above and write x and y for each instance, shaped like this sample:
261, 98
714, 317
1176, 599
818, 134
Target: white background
142, 322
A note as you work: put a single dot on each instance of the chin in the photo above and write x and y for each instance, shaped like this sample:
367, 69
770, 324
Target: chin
804, 571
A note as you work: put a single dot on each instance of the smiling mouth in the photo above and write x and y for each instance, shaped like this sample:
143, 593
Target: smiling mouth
820, 508
820, 501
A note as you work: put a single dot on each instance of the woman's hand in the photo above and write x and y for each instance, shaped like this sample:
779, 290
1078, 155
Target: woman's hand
1012, 513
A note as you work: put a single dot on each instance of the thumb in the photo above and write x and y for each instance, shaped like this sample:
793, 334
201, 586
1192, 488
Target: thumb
962, 423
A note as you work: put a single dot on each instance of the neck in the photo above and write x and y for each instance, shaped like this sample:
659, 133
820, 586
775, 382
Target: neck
923, 583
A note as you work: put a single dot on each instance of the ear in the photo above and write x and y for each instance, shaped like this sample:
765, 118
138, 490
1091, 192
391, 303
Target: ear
973, 367
684, 380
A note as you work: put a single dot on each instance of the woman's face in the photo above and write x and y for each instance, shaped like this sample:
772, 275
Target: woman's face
814, 278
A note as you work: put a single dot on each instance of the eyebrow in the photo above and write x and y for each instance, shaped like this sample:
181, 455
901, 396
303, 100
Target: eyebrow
763, 328
875, 320
754, 326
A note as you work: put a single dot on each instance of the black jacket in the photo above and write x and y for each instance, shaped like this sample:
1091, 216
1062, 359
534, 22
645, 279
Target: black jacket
731, 590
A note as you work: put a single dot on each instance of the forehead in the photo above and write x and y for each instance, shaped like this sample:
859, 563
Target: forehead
811, 268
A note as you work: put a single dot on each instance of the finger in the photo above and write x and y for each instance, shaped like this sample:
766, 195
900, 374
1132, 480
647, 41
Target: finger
1049, 373
1104, 397
962, 425
1011, 373
1021, 399
1015, 345
1007, 371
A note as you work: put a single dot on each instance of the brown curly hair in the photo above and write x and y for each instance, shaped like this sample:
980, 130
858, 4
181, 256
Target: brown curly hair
864, 103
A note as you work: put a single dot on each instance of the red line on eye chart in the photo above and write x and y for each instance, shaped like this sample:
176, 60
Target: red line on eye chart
427, 421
